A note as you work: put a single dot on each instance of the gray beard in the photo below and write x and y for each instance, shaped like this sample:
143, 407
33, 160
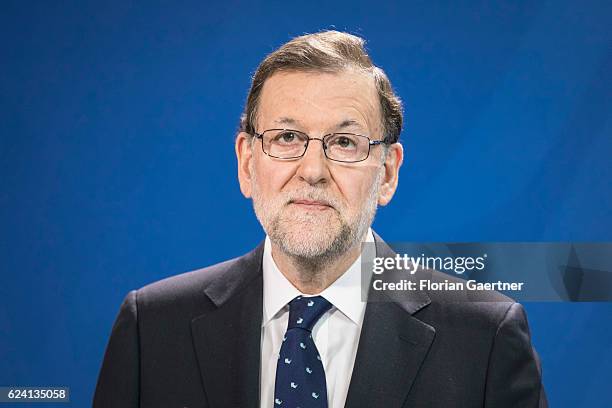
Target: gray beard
312, 257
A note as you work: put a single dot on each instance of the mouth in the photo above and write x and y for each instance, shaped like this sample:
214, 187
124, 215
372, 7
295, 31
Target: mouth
311, 205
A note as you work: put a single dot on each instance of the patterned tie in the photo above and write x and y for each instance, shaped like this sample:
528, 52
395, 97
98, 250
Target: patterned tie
300, 377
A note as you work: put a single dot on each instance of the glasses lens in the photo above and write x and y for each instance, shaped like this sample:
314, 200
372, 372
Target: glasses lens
284, 144
347, 147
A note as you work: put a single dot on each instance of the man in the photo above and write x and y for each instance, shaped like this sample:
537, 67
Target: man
284, 326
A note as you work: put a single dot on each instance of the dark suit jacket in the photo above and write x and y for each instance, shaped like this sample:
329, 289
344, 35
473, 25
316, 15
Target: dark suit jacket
193, 340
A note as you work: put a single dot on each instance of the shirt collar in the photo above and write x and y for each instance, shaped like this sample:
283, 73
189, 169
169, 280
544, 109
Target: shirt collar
344, 293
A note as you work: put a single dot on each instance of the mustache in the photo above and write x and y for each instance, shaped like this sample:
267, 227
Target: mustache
312, 195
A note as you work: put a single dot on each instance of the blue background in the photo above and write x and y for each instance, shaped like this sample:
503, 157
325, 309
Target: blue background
117, 162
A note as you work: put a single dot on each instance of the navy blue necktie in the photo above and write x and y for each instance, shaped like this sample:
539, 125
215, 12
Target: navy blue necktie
300, 377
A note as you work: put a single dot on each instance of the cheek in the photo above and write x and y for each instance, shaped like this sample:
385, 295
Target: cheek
271, 176
355, 187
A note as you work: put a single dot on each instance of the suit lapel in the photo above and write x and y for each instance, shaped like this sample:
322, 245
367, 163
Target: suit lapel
391, 349
227, 340
392, 346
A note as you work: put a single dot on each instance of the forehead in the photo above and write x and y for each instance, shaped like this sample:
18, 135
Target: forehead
318, 101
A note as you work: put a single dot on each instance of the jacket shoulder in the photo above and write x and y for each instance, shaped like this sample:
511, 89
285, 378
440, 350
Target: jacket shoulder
216, 281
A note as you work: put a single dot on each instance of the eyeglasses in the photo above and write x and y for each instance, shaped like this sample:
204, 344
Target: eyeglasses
287, 144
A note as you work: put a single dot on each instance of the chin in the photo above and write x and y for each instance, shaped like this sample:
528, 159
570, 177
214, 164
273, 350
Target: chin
307, 247
312, 241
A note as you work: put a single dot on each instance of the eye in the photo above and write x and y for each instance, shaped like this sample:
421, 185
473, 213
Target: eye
344, 141
286, 137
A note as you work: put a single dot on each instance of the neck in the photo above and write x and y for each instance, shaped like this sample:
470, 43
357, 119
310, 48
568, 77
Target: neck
312, 276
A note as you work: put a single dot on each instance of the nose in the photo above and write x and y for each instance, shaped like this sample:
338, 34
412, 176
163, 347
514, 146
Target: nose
313, 165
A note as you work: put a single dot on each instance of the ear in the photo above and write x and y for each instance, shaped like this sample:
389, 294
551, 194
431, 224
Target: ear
244, 154
393, 162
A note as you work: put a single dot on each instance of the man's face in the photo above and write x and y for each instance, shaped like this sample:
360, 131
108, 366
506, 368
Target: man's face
312, 207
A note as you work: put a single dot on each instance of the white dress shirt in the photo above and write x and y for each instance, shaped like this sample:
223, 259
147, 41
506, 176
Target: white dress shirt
336, 333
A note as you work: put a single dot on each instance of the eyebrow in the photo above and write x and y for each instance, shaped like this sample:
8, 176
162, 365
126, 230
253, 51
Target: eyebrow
284, 120
348, 123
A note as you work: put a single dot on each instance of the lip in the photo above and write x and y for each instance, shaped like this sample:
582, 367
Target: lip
311, 205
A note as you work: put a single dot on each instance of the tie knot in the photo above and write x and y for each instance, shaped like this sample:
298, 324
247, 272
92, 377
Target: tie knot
305, 311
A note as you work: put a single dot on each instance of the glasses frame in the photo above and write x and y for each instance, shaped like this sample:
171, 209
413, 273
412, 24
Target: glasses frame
322, 140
